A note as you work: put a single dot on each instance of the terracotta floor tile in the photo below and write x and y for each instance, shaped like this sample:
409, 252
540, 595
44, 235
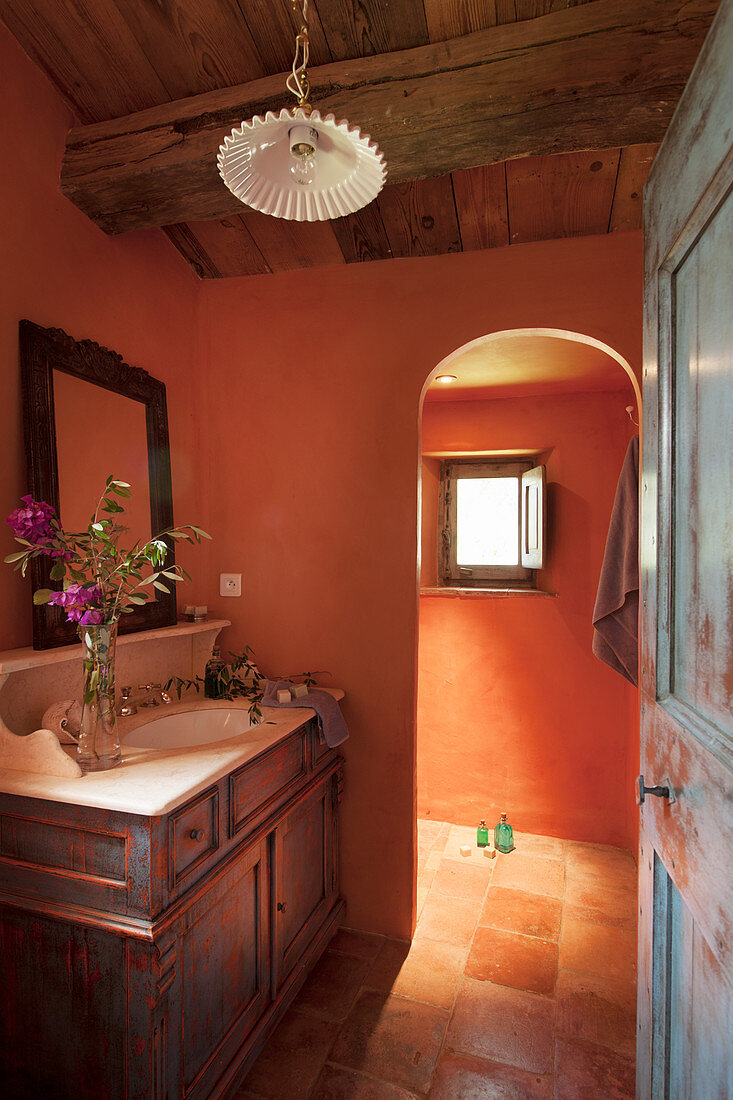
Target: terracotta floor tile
426, 878
504, 1025
508, 958
600, 1009
333, 985
423, 971
336, 1083
422, 893
461, 1077
462, 879
536, 875
292, 1058
429, 830
597, 949
363, 945
518, 911
600, 904
548, 847
584, 1071
393, 1039
600, 863
434, 860
464, 836
450, 920
501, 1039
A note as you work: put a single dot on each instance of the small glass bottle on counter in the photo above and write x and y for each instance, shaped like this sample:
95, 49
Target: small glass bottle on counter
482, 835
503, 836
213, 687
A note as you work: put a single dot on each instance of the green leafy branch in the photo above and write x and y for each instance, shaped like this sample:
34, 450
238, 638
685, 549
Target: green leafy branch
241, 678
93, 557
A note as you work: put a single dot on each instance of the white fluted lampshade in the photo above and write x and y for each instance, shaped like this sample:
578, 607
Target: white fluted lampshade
302, 167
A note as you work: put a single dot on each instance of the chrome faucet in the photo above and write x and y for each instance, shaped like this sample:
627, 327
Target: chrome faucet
152, 696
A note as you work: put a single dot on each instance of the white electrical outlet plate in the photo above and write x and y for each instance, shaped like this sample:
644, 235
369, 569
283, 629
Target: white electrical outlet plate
230, 584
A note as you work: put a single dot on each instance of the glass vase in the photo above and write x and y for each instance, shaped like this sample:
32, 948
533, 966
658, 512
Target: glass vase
99, 743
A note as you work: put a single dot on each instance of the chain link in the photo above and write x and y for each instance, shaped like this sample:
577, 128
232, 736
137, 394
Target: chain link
297, 82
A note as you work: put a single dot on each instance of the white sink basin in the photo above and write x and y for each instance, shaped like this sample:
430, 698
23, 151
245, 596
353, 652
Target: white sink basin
185, 729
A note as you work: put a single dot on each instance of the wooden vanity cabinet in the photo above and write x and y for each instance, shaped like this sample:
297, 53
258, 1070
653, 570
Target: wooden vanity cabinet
149, 959
304, 879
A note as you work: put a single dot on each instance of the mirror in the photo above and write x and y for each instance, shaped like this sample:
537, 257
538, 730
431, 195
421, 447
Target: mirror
87, 414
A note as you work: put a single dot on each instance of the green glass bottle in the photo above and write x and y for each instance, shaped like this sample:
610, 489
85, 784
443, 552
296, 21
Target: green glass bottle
482, 835
213, 687
503, 836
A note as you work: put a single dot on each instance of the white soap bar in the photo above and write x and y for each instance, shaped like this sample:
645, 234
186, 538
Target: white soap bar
465, 850
283, 696
195, 611
299, 690
490, 853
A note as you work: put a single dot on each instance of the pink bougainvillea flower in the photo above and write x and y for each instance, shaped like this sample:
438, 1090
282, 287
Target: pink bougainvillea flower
63, 555
33, 521
93, 617
76, 600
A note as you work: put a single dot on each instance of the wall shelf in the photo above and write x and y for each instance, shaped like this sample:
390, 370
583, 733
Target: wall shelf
17, 660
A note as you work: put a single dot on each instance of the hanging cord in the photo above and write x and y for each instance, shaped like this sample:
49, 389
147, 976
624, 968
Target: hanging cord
297, 82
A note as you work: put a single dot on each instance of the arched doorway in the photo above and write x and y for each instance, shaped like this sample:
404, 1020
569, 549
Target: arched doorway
514, 711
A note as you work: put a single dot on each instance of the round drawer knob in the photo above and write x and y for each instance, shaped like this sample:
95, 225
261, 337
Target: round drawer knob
282, 907
197, 835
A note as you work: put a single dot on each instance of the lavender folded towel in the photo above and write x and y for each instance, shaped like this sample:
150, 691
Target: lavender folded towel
330, 718
616, 614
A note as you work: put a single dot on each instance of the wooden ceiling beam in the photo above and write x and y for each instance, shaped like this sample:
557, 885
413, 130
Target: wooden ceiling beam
608, 73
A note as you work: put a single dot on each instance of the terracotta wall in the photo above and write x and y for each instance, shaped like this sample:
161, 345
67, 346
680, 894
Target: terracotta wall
294, 408
315, 387
514, 711
132, 293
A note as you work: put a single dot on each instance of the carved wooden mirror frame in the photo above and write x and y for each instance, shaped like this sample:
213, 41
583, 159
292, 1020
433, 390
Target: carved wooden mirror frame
43, 350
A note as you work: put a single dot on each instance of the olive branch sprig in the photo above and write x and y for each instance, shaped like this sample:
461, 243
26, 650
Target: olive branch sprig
241, 678
100, 580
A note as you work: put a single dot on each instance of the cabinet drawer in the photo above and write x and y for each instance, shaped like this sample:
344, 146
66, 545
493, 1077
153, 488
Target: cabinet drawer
261, 785
193, 835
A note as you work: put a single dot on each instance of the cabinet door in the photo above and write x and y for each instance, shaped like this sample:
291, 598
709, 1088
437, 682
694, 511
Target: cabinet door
305, 876
62, 1025
224, 978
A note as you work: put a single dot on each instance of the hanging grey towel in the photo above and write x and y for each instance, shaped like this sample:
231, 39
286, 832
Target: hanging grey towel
616, 614
330, 718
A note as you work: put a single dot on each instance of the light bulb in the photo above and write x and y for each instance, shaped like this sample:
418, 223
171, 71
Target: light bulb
303, 168
303, 145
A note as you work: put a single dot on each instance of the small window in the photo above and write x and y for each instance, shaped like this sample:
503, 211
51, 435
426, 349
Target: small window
491, 522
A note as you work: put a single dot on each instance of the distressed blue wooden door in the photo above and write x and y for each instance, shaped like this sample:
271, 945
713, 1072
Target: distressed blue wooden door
685, 1022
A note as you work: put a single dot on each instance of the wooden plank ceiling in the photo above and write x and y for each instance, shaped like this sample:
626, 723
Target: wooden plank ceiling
111, 58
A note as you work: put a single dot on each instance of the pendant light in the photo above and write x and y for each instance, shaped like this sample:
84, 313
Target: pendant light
296, 164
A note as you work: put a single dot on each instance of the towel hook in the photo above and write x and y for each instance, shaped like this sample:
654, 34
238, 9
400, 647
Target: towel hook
630, 411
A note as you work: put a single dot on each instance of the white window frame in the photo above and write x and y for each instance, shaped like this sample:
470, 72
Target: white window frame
450, 573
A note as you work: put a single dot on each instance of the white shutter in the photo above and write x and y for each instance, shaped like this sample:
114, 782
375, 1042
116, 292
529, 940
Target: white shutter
533, 517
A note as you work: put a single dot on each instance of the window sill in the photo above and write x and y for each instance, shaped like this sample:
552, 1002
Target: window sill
486, 593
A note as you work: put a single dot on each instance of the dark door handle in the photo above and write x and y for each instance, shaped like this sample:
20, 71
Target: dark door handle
282, 907
659, 791
197, 834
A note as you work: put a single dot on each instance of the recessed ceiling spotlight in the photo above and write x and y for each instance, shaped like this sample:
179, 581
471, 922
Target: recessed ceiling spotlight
446, 379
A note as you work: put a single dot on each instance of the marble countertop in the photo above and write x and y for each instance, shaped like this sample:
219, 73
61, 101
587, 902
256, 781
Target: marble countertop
151, 782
